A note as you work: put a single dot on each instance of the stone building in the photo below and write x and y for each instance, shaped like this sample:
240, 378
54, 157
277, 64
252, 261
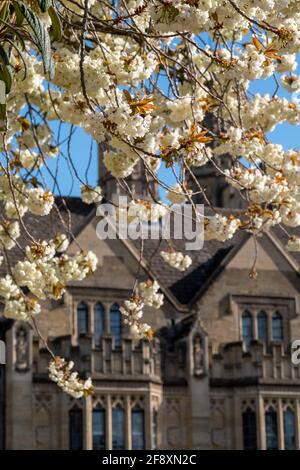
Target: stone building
218, 374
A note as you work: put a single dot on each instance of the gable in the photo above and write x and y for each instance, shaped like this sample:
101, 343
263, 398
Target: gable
116, 266
269, 253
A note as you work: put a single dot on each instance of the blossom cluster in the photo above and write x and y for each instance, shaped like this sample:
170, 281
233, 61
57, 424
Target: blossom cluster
159, 83
148, 291
176, 259
133, 310
44, 273
133, 313
60, 371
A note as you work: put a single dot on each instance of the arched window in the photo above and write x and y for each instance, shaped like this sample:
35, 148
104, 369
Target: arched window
247, 328
98, 322
116, 324
118, 428
271, 429
289, 429
82, 318
262, 326
277, 327
137, 429
249, 429
75, 429
99, 429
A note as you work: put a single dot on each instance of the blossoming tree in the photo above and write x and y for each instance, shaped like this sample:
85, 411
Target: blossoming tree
141, 76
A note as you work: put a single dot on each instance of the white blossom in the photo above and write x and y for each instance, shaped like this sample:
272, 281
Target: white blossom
148, 291
91, 195
40, 202
61, 373
177, 260
293, 244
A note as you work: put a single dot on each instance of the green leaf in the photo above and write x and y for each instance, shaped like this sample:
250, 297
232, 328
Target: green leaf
5, 70
6, 77
19, 16
4, 12
3, 56
44, 5
56, 30
41, 37
3, 118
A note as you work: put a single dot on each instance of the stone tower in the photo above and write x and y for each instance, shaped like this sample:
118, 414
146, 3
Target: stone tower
141, 187
217, 190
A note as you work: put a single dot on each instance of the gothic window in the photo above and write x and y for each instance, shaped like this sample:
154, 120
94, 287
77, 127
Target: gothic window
99, 429
289, 429
138, 429
262, 327
98, 322
271, 429
75, 429
249, 429
247, 328
118, 428
277, 327
116, 324
82, 318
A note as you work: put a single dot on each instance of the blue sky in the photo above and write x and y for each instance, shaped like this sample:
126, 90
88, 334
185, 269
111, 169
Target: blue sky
87, 168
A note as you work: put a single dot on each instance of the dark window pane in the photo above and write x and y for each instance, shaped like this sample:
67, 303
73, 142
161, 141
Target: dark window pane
99, 429
137, 429
75, 429
289, 430
98, 322
82, 318
116, 324
118, 428
277, 327
247, 328
249, 430
262, 327
271, 430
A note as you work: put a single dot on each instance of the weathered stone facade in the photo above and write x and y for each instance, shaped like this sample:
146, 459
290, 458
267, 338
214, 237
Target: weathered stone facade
218, 374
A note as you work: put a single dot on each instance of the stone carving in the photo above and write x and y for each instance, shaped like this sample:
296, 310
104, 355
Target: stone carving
22, 349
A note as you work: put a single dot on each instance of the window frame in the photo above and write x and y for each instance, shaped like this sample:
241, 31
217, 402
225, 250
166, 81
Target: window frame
134, 411
115, 409
247, 315
277, 316
98, 334
253, 435
79, 310
272, 411
102, 411
262, 315
76, 410
117, 339
291, 412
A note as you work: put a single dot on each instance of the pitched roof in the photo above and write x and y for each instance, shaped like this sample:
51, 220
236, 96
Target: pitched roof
70, 214
73, 215
185, 285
